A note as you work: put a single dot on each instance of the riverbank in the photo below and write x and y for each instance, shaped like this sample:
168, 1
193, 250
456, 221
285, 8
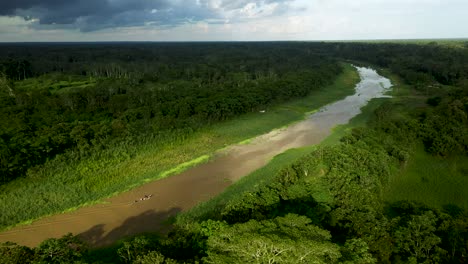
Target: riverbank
51, 197
265, 174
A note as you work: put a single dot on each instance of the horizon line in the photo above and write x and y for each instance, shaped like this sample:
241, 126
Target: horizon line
234, 41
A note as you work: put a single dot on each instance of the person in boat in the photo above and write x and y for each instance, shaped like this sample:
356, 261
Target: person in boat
144, 198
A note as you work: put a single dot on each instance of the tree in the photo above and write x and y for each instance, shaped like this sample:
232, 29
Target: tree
417, 239
454, 234
289, 239
153, 257
11, 253
67, 249
356, 250
130, 250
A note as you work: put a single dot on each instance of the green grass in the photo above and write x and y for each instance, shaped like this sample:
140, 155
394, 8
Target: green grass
63, 184
55, 83
432, 180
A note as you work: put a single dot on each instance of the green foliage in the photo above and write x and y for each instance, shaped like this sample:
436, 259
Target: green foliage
418, 65
289, 239
122, 105
135, 160
295, 184
445, 129
355, 250
417, 238
454, 232
11, 253
325, 204
353, 175
212, 209
67, 249
153, 257
434, 101
130, 250
186, 242
17, 69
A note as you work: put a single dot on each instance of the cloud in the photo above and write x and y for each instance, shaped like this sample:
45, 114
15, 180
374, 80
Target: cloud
238, 4
179, 20
91, 15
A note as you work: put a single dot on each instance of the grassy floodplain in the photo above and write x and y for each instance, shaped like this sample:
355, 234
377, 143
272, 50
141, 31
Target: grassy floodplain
60, 185
437, 182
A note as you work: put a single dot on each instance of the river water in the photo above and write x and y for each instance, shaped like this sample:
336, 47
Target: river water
120, 216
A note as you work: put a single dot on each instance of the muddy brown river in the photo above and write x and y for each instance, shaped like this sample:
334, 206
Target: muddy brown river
121, 216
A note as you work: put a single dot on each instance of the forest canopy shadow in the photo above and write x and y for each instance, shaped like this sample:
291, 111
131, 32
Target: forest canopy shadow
149, 221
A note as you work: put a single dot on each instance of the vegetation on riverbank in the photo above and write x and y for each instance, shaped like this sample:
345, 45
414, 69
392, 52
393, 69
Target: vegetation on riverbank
56, 107
336, 203
69, 180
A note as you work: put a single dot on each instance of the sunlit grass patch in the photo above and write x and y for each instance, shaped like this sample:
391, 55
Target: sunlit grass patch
435, 181
55, 83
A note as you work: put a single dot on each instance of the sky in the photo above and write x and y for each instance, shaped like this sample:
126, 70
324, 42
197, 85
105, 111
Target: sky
230, 20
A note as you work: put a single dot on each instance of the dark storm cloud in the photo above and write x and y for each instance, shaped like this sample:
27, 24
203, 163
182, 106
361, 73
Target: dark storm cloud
9, 7
77, 8
163, 16
89, 15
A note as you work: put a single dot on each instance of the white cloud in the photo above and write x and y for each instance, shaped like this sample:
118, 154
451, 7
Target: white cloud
276, 20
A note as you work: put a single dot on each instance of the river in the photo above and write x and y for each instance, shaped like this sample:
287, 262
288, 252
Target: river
120, 216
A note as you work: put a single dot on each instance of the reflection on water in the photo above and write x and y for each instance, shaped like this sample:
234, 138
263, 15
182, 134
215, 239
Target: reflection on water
372, 85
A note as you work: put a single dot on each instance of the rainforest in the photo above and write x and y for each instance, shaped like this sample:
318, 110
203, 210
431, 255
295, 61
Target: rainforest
234, 152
